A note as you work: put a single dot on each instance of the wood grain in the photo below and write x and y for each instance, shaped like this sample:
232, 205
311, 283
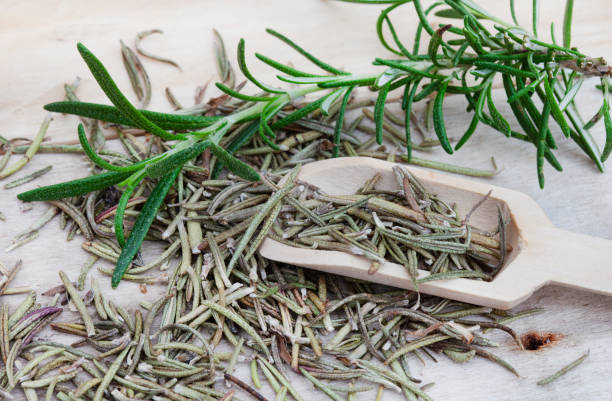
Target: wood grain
37, 41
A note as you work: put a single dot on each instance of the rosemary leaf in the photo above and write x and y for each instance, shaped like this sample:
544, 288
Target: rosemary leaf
112, 114
74, 188
142, 224
117, 98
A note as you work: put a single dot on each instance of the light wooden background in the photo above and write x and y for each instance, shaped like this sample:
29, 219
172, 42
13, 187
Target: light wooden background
37, 44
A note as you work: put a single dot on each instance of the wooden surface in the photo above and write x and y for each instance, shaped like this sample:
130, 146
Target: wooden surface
37, 41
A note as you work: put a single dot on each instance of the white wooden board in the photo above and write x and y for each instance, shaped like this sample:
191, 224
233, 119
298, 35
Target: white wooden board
37, 44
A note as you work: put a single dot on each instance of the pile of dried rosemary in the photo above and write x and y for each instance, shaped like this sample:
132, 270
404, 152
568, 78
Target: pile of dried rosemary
329, 329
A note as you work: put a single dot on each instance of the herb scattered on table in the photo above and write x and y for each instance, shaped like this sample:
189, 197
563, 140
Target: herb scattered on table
288, 319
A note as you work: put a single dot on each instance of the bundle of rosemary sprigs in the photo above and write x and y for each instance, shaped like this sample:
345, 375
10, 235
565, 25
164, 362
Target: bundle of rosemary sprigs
174, 187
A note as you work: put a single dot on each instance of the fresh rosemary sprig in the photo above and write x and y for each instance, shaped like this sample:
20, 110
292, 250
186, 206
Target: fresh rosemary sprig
464, 60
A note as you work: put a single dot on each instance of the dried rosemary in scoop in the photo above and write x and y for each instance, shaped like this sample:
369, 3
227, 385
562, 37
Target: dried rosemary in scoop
408, 226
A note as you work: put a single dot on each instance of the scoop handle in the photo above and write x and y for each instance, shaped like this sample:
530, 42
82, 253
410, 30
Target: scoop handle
573, 260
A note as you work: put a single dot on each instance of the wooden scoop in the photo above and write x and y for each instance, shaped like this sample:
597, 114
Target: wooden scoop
540, 253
